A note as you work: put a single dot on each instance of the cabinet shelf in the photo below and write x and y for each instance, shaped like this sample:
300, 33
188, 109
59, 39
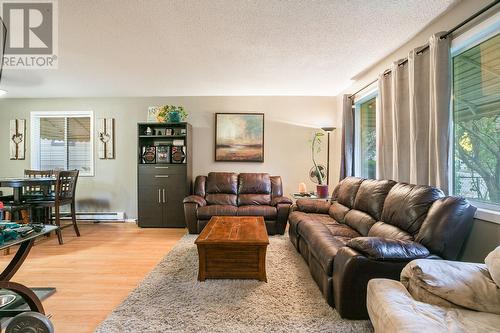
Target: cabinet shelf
163, 136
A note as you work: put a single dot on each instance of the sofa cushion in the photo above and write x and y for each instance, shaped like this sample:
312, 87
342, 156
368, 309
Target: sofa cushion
221, 199
322, 244
222, 182
254, 183
297, 217
492, 261
359, 221
345, 191
342, 230
338, 211
452, 283
254, 199
268, 212
371, 196
206, 212
392, 309
406, 205
381, 229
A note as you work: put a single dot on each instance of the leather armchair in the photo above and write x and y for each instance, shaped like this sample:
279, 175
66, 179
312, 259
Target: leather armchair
230, 194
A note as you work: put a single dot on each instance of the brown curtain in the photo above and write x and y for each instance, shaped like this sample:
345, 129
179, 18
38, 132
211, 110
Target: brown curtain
347, 158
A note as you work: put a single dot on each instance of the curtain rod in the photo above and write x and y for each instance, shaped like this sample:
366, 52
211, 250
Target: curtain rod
424, 48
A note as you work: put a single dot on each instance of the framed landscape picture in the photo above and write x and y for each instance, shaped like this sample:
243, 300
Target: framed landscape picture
239, 137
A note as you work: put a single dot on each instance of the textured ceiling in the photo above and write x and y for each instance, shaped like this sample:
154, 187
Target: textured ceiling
220, 47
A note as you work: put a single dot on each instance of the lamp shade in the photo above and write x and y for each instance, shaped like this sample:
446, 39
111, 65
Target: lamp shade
328, 129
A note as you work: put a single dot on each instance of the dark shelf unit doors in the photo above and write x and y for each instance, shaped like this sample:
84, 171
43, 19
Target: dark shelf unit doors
162, 187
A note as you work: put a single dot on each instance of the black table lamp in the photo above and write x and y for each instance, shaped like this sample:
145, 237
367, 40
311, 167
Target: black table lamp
328, 130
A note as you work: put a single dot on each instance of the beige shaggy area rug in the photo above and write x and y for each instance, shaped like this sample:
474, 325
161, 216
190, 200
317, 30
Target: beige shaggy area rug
170, 299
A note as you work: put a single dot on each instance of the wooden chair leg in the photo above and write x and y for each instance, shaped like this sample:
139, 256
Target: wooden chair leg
46, 218
73, 218
25, 216
58, 223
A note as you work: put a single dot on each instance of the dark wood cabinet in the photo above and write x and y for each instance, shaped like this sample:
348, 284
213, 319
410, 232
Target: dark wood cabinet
163, 186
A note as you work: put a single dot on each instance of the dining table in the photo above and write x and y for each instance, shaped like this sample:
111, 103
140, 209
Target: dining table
18, 183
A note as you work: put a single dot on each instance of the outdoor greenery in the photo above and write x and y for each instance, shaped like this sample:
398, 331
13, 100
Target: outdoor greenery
368, 143
476, 113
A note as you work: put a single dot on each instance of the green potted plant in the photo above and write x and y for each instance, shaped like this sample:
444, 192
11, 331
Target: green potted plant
321, 188
171, 114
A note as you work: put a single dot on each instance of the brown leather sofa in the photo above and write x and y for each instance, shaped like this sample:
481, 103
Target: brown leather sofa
230, 194
372, 229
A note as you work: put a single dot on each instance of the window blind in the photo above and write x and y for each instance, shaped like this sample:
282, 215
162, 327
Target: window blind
62, 141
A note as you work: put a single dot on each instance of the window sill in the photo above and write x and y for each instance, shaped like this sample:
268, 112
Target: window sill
488, 215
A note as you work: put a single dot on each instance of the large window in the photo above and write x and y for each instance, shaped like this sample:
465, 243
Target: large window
365, 143
476, 121
62, 141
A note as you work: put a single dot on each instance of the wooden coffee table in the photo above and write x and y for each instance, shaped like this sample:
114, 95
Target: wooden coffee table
233, 247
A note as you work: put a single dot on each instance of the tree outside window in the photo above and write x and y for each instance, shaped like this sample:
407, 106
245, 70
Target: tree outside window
476, 122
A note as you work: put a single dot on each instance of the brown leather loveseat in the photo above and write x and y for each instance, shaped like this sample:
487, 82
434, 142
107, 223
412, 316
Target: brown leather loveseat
230, 194
372, 229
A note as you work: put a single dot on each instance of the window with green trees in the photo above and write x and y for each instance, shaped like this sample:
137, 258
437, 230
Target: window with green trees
476, 122
366, 137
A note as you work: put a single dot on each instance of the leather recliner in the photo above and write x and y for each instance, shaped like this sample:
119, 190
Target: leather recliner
230, 194
372, 229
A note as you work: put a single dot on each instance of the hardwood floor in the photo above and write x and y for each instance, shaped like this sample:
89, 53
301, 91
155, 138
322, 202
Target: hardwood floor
95, 272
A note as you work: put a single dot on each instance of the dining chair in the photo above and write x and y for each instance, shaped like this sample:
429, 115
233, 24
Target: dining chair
21, 210
37, 191
64, 194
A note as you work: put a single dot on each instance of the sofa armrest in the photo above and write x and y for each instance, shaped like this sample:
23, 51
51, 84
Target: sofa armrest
313, 206
283, 210
379, 248
196, 199
351, 272
281, 200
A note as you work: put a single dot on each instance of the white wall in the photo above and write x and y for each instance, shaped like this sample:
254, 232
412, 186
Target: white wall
485, 235
289, 125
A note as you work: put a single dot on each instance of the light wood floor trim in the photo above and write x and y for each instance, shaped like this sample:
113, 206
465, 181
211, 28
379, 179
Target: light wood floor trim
95, 272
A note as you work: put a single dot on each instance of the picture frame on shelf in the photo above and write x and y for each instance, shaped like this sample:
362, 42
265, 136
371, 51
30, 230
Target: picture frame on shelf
152, 114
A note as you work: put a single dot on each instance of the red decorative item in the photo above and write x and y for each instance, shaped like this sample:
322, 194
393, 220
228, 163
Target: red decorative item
322, 191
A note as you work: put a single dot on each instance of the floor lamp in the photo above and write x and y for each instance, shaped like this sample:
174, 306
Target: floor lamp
328, 130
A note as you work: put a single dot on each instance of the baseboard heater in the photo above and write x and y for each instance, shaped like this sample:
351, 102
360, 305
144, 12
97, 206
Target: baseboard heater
99, 216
